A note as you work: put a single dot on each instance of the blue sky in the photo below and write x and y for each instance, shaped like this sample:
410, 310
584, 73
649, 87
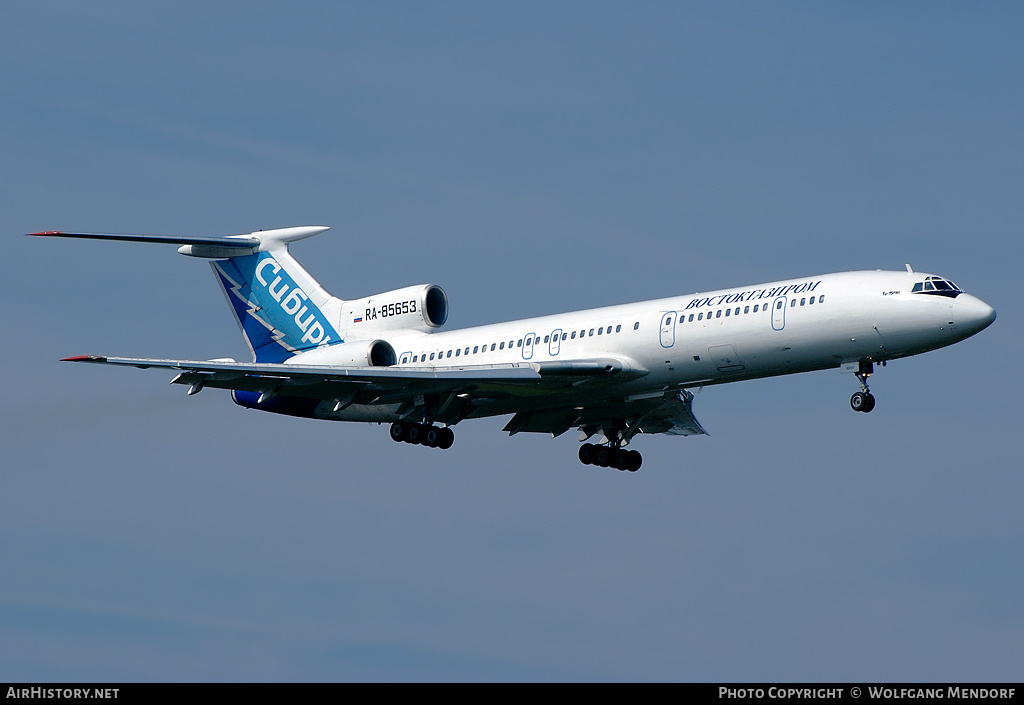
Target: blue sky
530, 159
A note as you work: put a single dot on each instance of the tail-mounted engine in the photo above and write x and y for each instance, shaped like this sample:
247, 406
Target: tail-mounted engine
358, 353
422, 308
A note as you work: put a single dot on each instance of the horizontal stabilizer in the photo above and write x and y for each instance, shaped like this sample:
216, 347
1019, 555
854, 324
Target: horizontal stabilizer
210, 247
236, 241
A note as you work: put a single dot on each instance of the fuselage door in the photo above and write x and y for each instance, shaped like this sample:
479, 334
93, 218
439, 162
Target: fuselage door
528, 346
779, 313
556, 342
668, 329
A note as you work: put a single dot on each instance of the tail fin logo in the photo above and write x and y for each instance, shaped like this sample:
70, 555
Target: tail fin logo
292, 299
276, 315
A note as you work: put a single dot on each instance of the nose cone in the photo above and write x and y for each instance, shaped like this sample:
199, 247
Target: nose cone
971, 314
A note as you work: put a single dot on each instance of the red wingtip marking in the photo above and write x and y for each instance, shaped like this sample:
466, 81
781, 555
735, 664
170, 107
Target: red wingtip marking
48, 232
82, 358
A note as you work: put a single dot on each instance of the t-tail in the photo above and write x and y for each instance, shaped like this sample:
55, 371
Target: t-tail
279, 307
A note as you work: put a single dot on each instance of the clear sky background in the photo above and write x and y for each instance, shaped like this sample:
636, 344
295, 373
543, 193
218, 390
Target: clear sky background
530, 158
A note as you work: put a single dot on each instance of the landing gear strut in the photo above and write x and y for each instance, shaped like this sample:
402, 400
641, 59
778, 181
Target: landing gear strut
863, 400
422, 434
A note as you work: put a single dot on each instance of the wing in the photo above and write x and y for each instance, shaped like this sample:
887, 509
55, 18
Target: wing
545, 397
451, 393
319, 382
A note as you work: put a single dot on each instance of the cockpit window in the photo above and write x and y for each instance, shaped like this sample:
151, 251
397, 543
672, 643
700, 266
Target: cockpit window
937, 286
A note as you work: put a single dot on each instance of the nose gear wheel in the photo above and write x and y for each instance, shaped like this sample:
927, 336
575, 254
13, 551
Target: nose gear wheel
863, 400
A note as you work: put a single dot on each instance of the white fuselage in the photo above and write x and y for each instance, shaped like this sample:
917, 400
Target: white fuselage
708, 338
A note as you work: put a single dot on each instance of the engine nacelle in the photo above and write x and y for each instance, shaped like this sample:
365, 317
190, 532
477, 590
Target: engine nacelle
422, 308
358, 353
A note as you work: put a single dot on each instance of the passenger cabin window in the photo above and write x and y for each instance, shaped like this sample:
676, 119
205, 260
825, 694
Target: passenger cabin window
618, 329
636, 326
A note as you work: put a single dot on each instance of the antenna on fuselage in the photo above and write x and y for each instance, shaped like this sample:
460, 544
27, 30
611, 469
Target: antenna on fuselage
910, 269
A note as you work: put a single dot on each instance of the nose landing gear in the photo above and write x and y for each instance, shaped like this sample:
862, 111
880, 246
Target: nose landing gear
863, 400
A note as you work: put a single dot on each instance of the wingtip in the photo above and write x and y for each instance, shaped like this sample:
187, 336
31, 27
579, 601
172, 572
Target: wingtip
45, 233
84, 358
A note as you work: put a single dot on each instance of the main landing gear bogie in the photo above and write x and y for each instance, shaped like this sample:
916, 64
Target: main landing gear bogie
422, 434
607, 456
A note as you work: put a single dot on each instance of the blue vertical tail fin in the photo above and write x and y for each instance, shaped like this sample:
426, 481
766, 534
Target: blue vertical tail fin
279, 307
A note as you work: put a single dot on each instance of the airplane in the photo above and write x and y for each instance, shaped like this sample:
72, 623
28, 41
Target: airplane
612, 372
